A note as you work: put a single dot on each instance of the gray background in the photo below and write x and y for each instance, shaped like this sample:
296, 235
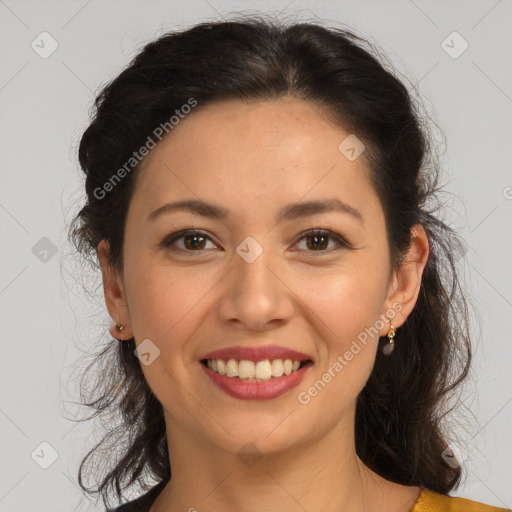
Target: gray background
48, 322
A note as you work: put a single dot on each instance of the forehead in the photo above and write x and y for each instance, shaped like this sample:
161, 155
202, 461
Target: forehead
241, 152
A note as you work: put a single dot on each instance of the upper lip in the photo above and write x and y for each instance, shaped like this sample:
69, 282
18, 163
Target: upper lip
257, 353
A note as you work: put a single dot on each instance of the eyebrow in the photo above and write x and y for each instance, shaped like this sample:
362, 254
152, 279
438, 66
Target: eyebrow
289, 212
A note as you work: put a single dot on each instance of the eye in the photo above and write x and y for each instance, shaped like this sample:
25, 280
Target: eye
317, 240
193, 241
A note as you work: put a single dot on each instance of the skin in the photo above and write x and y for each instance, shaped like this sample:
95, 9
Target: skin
253, 158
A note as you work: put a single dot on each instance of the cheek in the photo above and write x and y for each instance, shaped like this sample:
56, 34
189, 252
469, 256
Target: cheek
166, 306
167, 302
347, 303
347, 299
346, 360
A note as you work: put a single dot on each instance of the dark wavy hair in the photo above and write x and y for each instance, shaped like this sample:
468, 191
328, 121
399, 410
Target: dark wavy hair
400, 412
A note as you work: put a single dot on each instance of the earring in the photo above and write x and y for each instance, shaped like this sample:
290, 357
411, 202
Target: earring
120, 328
389, 347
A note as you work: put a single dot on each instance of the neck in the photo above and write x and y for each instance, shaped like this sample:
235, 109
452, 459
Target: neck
322, 474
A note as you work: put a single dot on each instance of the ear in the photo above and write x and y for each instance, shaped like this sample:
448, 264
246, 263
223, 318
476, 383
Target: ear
405, 282
115, 297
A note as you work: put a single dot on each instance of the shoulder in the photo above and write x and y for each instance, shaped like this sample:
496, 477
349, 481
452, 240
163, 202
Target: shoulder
429, 501
138, 505
143, 503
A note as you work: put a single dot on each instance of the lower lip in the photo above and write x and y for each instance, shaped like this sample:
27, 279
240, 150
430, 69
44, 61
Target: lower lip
257, 390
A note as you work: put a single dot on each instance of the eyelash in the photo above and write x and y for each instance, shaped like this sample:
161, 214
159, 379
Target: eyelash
343, 244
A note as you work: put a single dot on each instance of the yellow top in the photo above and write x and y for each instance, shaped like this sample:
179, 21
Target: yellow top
429, 501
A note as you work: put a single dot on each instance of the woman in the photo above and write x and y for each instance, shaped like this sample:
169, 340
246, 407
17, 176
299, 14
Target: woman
290, 324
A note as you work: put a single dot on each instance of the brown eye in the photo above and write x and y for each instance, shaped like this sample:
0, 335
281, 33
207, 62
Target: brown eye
318, 240
193, 241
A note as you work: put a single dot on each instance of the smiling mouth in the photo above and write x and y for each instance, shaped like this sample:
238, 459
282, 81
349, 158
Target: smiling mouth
254, 371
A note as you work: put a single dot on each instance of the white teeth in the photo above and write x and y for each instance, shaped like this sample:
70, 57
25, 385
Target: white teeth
232, 368
263, 370
251, 371
246, 369
277, 368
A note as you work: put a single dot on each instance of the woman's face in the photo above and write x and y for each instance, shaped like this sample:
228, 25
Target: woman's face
253, 278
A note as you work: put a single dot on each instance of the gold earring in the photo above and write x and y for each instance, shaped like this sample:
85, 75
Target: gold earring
388, 348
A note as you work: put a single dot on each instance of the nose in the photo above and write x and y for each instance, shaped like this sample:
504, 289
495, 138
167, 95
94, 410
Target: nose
255, 295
